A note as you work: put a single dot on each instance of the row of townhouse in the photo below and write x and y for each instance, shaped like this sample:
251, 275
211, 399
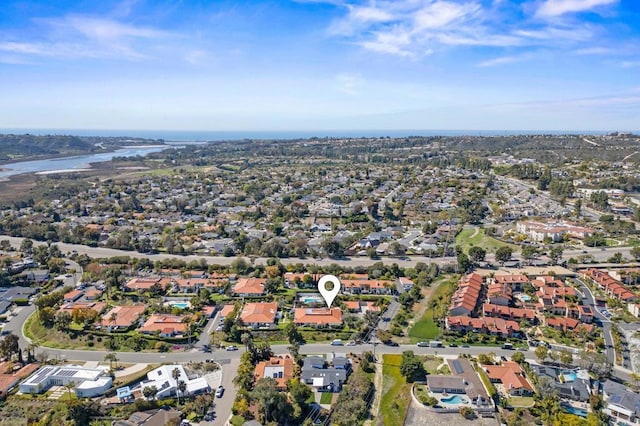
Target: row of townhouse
612, 287
190, 285
467, 296
555, 231
265, 315
492, 326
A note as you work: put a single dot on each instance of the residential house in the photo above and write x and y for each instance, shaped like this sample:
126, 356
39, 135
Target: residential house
446, 384
325, 376
511, 376
612, 287
318, 317
165, 325
164, 380
500, 294
575, 386
157, 417
122, 317
406, 283
259, 315
569, 324
73, 295
279, 368
621, 403
250, 287
145, 284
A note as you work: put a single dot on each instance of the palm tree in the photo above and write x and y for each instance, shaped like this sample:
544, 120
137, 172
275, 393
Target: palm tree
182, 387
70, 386
176, 375
111, 357
31, 350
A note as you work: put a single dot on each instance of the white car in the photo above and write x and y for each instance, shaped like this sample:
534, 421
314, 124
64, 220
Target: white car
232, 348
219, 391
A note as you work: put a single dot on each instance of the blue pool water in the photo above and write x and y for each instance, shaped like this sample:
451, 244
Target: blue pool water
308, 300
524, 297
570, 376
180, 305
577, 411
455, 399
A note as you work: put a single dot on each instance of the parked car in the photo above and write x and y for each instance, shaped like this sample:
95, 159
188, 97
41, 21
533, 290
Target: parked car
423, 344
336, 342
219, 391
391, 343
232, 348
351, 343
453, 345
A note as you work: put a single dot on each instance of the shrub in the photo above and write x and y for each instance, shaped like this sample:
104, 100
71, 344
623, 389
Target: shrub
467, 413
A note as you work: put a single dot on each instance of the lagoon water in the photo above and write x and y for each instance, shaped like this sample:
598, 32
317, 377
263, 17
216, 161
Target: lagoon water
77, 162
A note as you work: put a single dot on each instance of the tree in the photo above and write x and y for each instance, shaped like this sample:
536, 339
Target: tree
566, 357
26, 245
292, 333
635, 253
62, 321
518, 357
577, 208
528, 252
69, 386
412, 367
272, 404
541, 353
111, 357
485, 359
503, 254
555, 254
300, 393
175, 373
182, 387
149, 391
332, 247
477, 254
464, 264
9, 345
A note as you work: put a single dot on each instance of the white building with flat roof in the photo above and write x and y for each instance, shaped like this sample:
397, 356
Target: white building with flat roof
167, 385
88, 382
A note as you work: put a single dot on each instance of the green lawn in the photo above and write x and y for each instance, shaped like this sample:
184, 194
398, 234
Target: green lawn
466, 238
521, 401
396, 392
326, 397
427, 328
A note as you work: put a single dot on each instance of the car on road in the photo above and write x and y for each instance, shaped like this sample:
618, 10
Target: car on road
336, 342
220, 391
391, 343
423, 344
453, 345
465, 346
232, 348
351, 343
206, 348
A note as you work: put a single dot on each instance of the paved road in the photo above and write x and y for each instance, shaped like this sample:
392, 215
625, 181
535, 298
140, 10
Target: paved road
589, 300
598, 254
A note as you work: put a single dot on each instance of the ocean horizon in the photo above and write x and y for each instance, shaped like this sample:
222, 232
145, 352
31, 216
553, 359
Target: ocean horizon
215, 135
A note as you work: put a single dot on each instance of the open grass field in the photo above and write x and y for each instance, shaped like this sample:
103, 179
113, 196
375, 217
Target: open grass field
477, 237
426, 327
396, 393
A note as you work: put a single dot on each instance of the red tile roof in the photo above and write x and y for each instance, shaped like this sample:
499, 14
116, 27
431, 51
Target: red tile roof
259, 313
252, 286
318, 316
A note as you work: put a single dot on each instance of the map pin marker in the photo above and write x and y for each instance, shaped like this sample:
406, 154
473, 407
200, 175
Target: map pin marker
329, 295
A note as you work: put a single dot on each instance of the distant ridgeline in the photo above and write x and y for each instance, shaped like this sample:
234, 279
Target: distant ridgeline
28, 147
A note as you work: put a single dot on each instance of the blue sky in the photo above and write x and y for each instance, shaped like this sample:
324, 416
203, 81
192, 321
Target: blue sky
320, 65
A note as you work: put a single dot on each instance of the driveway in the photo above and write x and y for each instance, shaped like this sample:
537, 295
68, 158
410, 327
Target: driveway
589, 300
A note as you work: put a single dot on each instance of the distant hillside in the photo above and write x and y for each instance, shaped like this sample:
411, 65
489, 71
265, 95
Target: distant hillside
28, 147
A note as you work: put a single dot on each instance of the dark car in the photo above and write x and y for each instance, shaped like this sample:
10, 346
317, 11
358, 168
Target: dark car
453, 345
391, 343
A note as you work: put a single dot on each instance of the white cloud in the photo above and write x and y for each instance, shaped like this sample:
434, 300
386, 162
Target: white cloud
349, 83
502, 60
409, 28
442, 14
552, 8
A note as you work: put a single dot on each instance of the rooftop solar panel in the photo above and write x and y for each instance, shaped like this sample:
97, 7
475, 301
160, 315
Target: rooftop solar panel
457, 367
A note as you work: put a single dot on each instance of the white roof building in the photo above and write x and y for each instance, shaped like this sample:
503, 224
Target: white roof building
88, 382
166, 384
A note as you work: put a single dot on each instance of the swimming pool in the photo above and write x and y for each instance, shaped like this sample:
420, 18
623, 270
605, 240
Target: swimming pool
573, 410
524, 297
309, 300
454, 399
569, 376
180, 305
